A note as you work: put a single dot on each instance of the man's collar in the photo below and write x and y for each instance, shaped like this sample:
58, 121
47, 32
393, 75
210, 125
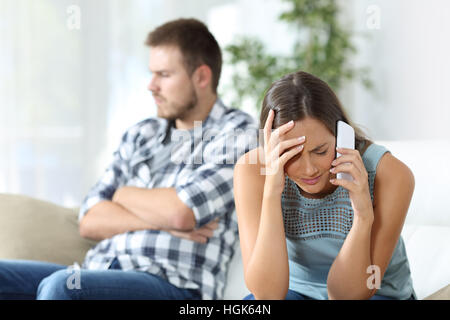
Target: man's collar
215, 115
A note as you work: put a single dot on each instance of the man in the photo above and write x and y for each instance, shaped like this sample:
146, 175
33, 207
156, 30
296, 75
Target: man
163, 212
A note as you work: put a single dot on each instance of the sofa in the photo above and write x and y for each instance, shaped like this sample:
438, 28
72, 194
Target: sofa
38, 230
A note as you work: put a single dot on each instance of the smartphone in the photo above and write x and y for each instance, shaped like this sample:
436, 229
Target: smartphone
345, 138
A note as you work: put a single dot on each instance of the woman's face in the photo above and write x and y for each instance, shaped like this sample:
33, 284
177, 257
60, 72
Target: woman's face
310, 170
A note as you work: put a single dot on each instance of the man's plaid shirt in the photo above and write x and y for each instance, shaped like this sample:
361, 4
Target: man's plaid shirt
199, 164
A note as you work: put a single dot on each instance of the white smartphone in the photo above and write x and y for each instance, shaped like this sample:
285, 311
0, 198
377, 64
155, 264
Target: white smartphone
345, 138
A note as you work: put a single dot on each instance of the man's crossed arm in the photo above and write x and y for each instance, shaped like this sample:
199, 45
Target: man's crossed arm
133, 209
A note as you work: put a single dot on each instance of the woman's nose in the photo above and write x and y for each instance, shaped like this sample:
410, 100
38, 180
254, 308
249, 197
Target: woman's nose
310, 169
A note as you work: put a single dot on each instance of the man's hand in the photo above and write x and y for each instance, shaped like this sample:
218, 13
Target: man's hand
200, 235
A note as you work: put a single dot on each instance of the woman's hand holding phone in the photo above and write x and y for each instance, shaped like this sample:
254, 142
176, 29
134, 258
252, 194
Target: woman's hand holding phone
350, 162
277, 152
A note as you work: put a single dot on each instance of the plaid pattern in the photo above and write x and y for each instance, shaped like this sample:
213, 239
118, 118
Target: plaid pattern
199, 164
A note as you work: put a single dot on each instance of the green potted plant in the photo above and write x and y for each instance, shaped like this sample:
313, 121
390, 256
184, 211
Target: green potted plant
322, 47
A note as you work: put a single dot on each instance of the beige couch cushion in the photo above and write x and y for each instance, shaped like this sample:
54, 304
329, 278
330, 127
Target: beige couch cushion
443, 294
32, 229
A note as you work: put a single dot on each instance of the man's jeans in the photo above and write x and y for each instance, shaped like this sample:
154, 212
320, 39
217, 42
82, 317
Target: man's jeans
21, 279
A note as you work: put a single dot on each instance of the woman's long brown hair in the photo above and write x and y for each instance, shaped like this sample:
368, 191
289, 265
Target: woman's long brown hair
299, 95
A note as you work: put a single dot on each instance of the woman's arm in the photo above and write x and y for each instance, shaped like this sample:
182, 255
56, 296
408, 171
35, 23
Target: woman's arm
375, 232
258, 190
261, 233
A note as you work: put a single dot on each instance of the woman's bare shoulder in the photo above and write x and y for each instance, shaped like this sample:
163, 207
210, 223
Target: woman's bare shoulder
250, 165
390, 169
251, 160
393, 177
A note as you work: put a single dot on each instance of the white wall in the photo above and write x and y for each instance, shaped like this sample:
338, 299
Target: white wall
409, 57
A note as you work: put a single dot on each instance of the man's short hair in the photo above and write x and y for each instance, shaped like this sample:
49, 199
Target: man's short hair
197, 45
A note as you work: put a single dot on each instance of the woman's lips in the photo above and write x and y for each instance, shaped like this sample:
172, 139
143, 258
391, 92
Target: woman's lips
311, 181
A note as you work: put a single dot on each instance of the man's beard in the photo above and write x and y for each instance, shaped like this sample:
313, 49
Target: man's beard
181, 111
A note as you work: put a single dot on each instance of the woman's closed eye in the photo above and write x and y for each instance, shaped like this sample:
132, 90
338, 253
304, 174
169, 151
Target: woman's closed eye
321, 150
322, 153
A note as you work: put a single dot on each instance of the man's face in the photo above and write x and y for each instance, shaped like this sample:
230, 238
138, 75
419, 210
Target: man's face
171, 85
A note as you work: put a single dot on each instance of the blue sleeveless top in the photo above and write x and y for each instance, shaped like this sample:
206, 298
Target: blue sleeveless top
316, 230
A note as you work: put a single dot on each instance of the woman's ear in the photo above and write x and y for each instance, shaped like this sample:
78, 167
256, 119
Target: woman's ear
203, 76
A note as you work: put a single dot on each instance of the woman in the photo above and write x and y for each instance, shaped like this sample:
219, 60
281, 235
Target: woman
305, 234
